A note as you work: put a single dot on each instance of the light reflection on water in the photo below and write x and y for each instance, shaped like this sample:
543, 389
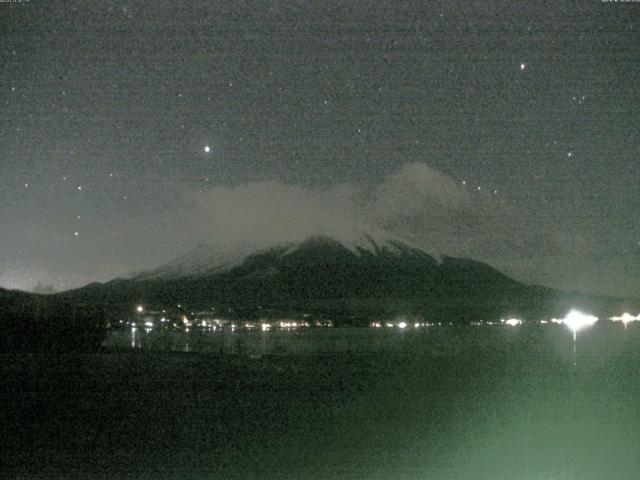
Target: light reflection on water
496, 403
595, 344
512, 402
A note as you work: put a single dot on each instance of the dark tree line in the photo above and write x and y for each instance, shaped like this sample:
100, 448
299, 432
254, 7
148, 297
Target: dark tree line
47, 324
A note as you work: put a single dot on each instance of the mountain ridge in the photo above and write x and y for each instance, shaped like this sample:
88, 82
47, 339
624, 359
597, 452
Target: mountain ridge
207, 259
360, 278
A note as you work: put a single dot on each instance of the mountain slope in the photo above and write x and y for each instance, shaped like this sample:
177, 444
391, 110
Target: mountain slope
349, 279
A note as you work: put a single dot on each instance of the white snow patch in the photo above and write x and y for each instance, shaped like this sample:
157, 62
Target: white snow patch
211, 259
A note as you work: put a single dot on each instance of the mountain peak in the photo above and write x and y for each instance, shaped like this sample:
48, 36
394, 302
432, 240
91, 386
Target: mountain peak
210, 259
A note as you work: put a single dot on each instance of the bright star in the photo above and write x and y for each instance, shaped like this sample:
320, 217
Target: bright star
207, 149
523, 66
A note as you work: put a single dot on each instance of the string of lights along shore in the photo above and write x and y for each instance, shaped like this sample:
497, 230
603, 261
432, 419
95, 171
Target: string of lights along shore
134, 132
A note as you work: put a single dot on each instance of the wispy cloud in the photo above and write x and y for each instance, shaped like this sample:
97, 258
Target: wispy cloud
417, 203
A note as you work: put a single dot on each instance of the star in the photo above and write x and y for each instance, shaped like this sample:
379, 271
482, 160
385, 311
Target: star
75, 234
79, 188
523, 66
569, 154
207, 148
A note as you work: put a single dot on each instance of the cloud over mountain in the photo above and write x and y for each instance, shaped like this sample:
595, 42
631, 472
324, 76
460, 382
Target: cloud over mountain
416, 203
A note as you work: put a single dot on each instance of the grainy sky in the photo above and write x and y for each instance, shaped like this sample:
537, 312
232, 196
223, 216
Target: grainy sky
503, 131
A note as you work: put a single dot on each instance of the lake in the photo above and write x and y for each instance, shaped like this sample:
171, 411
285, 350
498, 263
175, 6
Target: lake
477, 402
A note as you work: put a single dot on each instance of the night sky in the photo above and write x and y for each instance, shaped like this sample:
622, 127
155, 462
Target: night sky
507, 132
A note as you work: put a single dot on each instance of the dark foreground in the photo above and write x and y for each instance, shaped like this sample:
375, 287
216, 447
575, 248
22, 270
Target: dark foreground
514, 409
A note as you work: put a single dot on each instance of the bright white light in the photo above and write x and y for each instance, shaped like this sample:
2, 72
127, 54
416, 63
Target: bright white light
148, 324
402, 325
625, 318
207, 148
139, 309
523, 66
265, 327
512, 322
576, 320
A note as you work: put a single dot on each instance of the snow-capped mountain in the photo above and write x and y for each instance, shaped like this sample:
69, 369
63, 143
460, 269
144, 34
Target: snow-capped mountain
373, 269
348, 277
210, 259
203, 260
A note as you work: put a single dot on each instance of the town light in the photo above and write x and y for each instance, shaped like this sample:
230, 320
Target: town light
625, 318
512, 322
577, 321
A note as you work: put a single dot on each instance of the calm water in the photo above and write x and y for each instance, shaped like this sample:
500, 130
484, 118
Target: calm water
592, 345
441, 403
